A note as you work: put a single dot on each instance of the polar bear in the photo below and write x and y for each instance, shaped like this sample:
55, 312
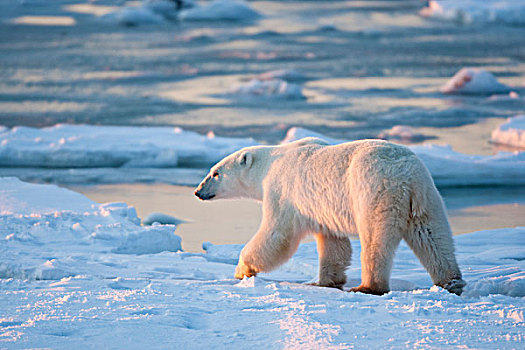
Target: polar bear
374, 188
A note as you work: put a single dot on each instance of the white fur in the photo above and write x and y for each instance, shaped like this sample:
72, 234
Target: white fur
379, 190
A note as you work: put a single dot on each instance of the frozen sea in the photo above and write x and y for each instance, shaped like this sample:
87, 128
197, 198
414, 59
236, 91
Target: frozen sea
132, 101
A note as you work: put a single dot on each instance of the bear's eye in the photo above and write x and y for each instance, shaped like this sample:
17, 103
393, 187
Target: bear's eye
215, 174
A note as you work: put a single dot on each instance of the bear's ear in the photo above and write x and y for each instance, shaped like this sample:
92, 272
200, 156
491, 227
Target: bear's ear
246, 159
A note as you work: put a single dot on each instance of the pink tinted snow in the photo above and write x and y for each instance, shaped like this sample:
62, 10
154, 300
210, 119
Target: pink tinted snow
511, 133
473, 81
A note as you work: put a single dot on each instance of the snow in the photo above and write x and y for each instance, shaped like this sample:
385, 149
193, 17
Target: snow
82, 176
168, 8
281, 74
268, 89
402, 133
133, 15
229, 10
511, 133
450, 168
475, 11
161, 218
57, 221
111, 154
473, 81
61, 287
296, 133
156, 11
146, 12
87, 146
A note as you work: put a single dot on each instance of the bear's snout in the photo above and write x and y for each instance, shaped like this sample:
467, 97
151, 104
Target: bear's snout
203, 196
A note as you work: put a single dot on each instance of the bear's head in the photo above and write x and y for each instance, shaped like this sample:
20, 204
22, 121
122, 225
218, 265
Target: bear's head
232, 177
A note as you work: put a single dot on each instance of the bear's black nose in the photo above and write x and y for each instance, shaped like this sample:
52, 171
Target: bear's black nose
204, 196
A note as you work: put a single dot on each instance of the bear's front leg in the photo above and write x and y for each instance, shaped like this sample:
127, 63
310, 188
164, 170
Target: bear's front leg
273, 244
243, 269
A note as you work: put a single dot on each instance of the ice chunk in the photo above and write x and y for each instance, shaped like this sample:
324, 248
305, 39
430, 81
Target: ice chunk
168, 8
217, 10
147, 12
473, 81
268, 89
150, 240
475, 11
296, 133
88, 146
281, 74
511, 133
163, 219
403, 133
228, 254
133, 15
82, 176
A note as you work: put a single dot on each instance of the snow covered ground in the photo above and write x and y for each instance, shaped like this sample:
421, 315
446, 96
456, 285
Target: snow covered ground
77, 273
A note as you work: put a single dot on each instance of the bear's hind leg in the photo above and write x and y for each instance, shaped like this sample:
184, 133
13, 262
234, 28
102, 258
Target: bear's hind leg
433, 245
334, 257
378, 246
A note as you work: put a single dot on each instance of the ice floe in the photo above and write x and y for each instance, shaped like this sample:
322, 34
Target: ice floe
402, 133
58, 221
450, 168
82, 176
86, 146
161, 218
473, 81
511, 133
221, 10
79, 154
268, 89
474, 11
289, 75
147, 12
60, 284
133, 15
296, 133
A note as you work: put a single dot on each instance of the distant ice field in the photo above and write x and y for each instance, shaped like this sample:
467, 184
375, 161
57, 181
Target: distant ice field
364, 67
